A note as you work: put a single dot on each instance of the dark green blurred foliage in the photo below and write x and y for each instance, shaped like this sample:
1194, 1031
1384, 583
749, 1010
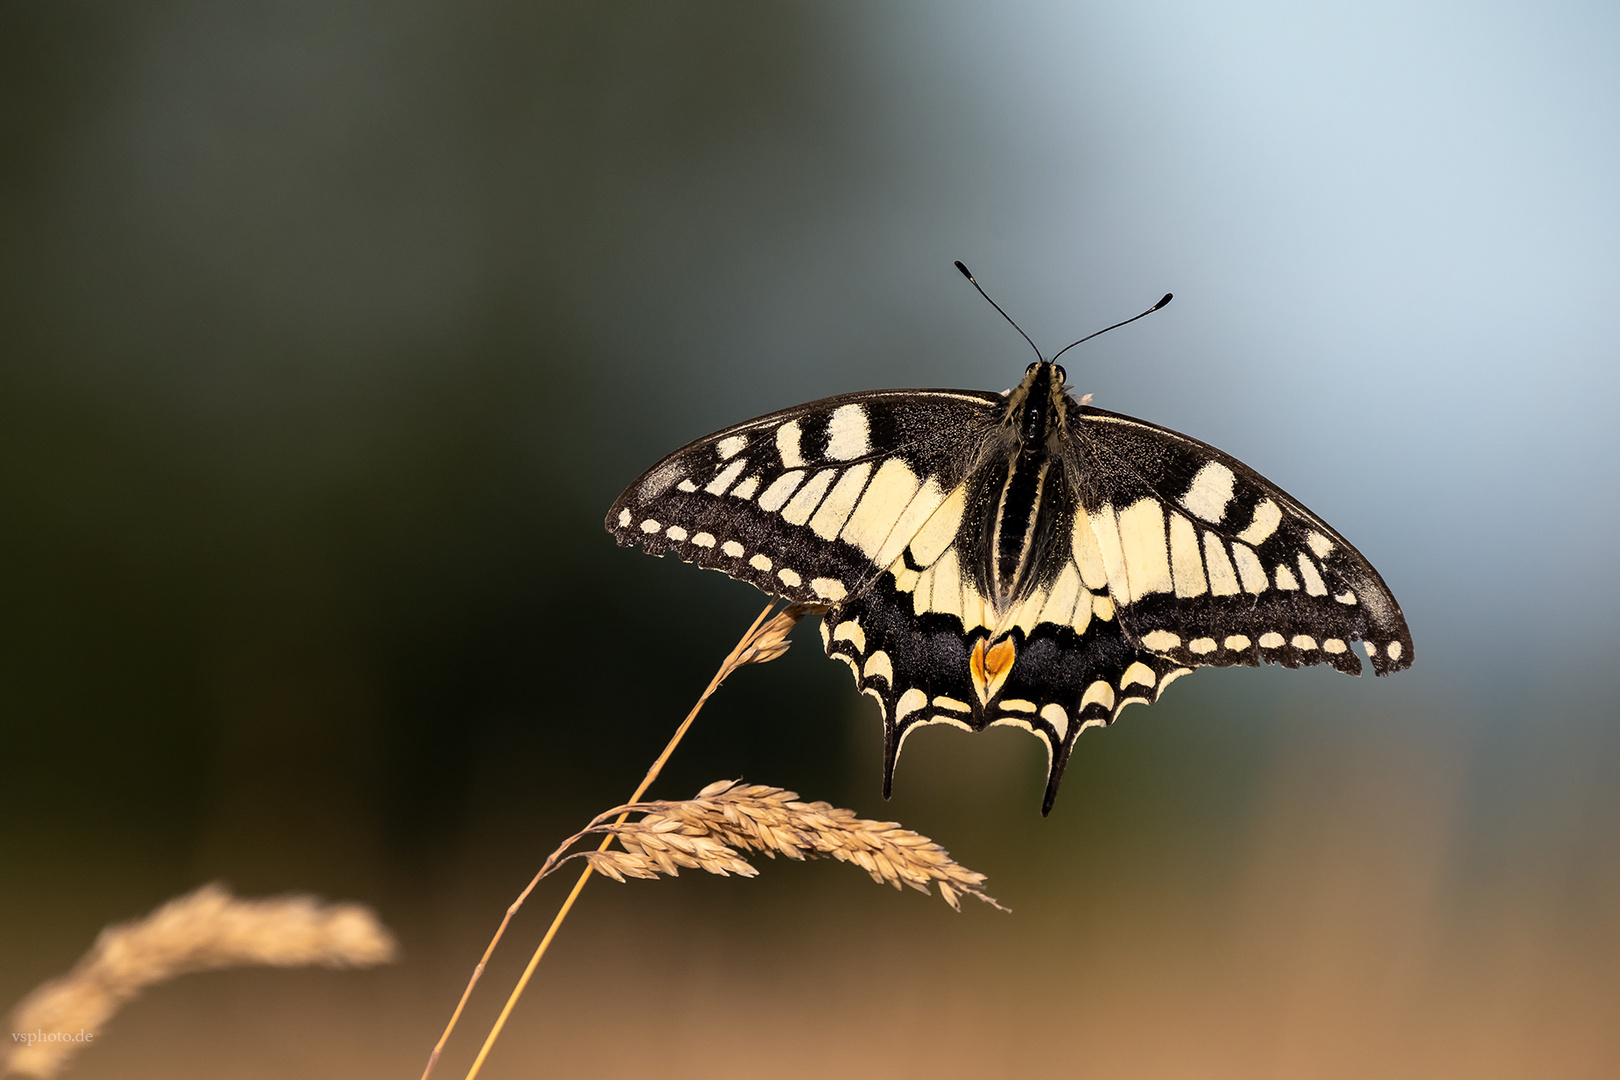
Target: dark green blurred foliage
309, 421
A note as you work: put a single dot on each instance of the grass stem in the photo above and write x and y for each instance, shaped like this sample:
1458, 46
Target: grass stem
739, 655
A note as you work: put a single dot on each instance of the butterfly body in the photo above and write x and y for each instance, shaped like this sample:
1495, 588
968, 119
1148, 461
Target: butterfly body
1017, 558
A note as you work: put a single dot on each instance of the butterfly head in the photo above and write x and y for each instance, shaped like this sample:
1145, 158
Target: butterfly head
1036, 418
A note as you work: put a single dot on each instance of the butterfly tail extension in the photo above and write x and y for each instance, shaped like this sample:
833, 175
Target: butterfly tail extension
1054, 773
891, 754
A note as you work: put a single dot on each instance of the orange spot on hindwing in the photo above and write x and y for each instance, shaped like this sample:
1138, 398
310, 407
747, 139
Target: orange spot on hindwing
990, 665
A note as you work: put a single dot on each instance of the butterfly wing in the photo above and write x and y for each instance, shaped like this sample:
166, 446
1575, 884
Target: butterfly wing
803, 503
1208, 562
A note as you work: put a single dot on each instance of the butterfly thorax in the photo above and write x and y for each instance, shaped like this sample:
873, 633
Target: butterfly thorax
1020, 484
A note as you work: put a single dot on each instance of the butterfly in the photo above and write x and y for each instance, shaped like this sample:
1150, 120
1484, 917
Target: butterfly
1018, 558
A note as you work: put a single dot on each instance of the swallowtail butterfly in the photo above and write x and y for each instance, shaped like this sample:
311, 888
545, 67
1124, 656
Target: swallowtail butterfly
1017, 558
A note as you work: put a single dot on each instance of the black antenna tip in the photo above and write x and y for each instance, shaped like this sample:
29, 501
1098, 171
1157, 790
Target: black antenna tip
1167, 298
965, 271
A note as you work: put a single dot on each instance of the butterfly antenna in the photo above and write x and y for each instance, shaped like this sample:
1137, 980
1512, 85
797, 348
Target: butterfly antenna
969, 275
1167, 298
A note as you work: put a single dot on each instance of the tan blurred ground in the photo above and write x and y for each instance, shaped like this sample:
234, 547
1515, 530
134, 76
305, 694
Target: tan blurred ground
1334, 945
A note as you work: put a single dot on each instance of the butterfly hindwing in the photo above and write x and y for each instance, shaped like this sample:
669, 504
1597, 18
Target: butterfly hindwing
916, 660
1210, 563
930, 645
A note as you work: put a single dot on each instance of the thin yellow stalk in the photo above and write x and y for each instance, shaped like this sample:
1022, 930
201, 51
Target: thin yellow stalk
734, 659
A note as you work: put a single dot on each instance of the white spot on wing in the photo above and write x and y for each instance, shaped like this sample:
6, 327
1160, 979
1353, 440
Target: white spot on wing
1209, 492
624, 519
827, 588
1098, 693
1266, 519
727, 476
1087, 555
1285, 578
802, 505
848, 433
1250, 570
650, 526
1222, 578
1319, 544
1394, 650
703, 540
1055, 715
760, 562
1333, 645
1083, 607
1272, 640
687, 486
952, 704
1237, 643
675, 532
746, 489
1185, 565
730, 447
1201, 646
922, 505
1106, 528
1027, 614
840, 502
1313, 580
1059, 607
732, 548
878, 667
1346, 597
910, 702
1161, 640
922, 588
1137, 673
886, 498
936, 535
1018, 705
851, 631
1147, 552
787, 444
946, 593
782, 487
1303, 641
789, 578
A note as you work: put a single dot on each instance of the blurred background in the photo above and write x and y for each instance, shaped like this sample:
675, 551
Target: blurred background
329, 331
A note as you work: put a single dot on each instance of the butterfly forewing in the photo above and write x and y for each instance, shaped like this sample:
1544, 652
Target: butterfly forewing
803, 503
1210, 563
